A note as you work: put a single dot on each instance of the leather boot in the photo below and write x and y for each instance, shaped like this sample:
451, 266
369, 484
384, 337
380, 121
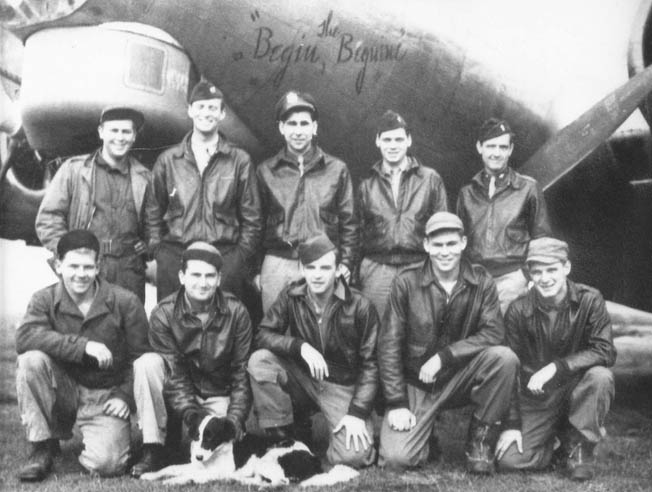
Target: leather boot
480, 447
39, 461
280, 433
150, 461
580, 463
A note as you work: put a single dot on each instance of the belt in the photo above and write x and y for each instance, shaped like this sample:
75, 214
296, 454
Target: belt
110, 247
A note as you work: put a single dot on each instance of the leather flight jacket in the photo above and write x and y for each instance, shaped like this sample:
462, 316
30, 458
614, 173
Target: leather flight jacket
393, 233
350, 328
422, 321
204, 361
298, 206
220, 206
500, 228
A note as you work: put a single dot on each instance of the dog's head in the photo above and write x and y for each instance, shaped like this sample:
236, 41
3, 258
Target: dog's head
212, 434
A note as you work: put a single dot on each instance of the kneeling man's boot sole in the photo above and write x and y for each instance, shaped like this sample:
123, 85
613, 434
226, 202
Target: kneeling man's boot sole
39, 462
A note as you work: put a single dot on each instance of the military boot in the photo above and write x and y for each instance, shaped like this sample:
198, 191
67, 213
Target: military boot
580, 463
39, 461
480, 447
150, 461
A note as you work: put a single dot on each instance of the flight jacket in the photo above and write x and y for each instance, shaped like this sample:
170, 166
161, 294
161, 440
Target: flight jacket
421, 322
299, 206
581, 338
204, 362
220, 206
393, 234
500, 228
54, 325
69, 201
350, 333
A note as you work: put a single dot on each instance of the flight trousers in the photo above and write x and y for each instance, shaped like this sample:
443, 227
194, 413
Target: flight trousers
487, 382
583, 403
277, 384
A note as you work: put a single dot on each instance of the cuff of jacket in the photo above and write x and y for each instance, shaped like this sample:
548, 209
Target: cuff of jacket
562, 368
295, 348
237, 424
512, 424
402, 403
446, 357
124, 396
358, 412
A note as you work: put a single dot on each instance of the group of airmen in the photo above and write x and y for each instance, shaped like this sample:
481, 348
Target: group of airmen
473, 308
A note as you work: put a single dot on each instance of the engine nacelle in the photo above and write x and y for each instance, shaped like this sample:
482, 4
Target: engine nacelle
70, 74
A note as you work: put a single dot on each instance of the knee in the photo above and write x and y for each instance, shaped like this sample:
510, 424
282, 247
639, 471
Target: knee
107, 461
149, 363
512, 460
600, 377
261, 363
504, 356
397, 459
32, 361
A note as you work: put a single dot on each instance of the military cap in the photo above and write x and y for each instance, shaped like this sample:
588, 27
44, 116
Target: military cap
294, 101
204, 90
492, 128
391, 120
314, 248
77, 239
113, 113
547, 250
443, 220
202, 251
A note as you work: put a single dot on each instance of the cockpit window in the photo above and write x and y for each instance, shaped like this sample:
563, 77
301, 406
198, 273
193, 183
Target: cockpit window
22, 13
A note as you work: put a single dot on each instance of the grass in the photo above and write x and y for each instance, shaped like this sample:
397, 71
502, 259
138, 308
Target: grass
624, 457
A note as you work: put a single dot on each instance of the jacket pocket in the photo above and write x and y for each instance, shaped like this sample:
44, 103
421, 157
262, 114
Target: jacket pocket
227, 227
517, 234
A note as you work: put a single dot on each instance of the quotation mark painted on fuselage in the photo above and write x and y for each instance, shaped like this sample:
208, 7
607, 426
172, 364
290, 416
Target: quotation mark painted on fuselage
255, 15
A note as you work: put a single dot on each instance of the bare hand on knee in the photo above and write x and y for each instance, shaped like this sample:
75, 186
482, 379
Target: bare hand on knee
115, 407
401, 419
506, 439
356, 433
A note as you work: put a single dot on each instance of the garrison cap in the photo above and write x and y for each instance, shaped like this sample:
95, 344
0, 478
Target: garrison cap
391, 120
492, 128
77, 239
202, 251
294, 101
204, 90
113, 113
444, 221
314, 248
547, 250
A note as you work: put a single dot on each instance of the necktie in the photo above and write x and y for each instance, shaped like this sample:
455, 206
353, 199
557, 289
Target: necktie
492, 186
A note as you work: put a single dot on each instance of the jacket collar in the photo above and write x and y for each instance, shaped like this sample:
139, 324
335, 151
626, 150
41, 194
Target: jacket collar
467, 274
412, 165
512, 179
184, 149
341, 291
134, 166
182, 306
102, 302
314, 157
572, 297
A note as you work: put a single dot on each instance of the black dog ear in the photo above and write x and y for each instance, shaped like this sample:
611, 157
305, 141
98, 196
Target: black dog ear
216, 432
300, 465
192, 419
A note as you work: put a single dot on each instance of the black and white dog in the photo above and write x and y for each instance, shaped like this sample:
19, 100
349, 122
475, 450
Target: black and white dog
254, 460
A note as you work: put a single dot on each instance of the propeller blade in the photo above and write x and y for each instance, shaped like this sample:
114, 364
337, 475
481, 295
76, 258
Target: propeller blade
574, 142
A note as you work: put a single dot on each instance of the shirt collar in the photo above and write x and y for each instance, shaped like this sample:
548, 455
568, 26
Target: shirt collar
101, 301
466, 273
340, 291
101, 161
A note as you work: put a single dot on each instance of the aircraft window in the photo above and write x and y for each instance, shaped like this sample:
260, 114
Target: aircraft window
146, 67
21, 13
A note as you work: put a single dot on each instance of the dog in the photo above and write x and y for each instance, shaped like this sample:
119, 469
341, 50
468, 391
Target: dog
253, 460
